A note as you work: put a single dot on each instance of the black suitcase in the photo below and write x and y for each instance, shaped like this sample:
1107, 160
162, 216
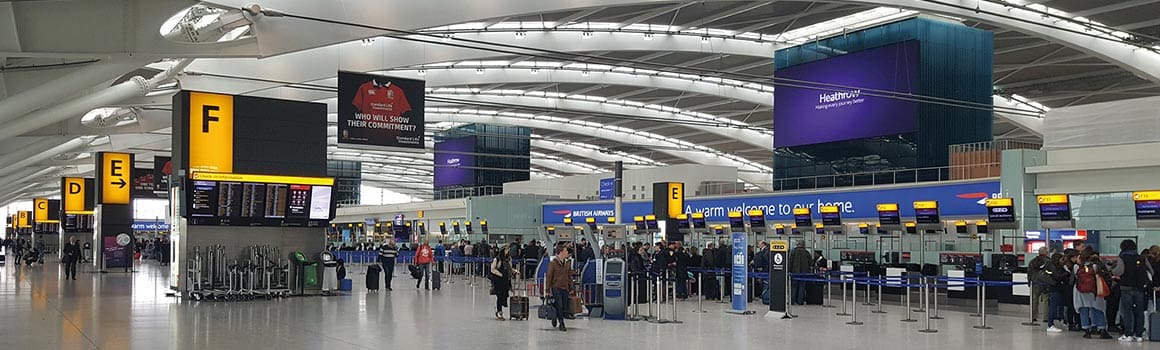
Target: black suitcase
435, 279
518, 307
373, 273
815, 293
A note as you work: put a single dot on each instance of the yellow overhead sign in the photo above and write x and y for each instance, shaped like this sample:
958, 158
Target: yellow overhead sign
779, 245
23, 219
801, 211
650, 217
211, 132
999, 202
698, 215
637, 218
926, 205
888, 207
1052, 199
676, 198
756, 212
270, 179
114, 178
911, 224
960, 223
734, 214
828, 209
40, 209
682, 217
72, 195
1146, 196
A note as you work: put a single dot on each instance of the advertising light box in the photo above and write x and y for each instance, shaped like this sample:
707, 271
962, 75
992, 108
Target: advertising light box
848, 97
455, 162
379, 111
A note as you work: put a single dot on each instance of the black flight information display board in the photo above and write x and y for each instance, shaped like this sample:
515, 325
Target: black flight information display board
1147, 205
831, 215
888, 214
1054, 207
802, 217
1000, 210
926, 212
259, 200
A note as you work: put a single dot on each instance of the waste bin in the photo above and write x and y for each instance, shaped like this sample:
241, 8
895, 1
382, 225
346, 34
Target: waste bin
304, 275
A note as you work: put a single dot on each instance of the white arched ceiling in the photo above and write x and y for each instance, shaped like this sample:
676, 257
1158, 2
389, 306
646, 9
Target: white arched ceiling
278, 35
751, 172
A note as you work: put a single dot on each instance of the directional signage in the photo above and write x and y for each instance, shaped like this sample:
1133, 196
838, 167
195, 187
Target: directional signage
76, 195
114, 171
46, 211
211, 132
888, 214
23, 219
926, 212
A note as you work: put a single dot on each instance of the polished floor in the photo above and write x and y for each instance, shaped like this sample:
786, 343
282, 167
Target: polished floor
131, 311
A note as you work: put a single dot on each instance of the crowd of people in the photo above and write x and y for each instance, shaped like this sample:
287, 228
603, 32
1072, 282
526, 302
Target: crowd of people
1077, 290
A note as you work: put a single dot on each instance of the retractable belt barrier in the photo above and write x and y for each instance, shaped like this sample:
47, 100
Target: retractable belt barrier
928, 284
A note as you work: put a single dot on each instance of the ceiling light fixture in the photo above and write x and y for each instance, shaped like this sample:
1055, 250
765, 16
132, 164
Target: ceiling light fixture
479, 71
520, 35
587, 34
648, 36
705, 39
422, 72
535, 71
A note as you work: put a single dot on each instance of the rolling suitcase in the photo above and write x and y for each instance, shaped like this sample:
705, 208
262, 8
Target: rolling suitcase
815, 293
518, 307
373, 273
1154, 322
435, 279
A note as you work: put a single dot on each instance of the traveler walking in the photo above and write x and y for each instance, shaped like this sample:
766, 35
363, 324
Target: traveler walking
70, 255
423, 258
387, 255
501, 273
559, 280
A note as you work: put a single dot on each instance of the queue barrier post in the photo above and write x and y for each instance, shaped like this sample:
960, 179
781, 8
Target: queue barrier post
926, 285
867, 303
842, 280
700, 294
880, 282
673, 299
854, 305
1032, 300
978, 299
934, 294
908, 308
829, 293
983, 307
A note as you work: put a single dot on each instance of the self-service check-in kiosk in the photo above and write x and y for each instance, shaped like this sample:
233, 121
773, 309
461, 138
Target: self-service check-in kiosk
615, 305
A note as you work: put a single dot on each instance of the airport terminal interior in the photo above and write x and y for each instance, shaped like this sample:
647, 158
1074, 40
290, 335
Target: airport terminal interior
571, 174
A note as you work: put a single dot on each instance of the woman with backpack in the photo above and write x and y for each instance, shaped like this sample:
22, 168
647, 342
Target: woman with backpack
1091, 287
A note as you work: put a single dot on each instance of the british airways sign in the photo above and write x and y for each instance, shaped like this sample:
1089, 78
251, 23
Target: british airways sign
957, 199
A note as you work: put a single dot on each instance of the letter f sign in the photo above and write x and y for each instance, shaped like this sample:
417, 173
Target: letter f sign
206, 118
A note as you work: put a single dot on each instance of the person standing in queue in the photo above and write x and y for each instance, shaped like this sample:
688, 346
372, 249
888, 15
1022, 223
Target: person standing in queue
423, 258
559, 280
70, 256
501, 279
1134, 274
387, 254
800, 261
1039, 293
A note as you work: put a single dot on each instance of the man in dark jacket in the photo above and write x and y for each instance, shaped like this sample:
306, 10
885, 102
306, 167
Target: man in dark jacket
680, 264
70, 256
1134, 274
800, 261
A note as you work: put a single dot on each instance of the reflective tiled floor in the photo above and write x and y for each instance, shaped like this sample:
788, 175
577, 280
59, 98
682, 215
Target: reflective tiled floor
131, 311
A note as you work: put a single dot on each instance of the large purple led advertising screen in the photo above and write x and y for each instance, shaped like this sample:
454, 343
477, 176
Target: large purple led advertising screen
830, 100
455, 162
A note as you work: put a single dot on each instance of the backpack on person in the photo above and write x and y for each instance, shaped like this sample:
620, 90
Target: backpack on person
1085, 280
1136, 274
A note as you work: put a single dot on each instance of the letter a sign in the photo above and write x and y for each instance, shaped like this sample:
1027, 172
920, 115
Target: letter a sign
113, 180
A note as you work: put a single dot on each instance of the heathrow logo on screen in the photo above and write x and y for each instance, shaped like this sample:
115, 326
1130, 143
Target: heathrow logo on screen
839, 99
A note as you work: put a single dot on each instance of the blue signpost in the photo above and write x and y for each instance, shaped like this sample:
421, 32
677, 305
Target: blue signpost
740, 274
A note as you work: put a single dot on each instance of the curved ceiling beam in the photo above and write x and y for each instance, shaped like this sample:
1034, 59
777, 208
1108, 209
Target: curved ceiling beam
595, 153
280, 35
750, 172
321, 63
749, 136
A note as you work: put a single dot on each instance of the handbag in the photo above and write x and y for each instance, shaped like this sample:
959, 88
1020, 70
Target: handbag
1102, 288
547, 312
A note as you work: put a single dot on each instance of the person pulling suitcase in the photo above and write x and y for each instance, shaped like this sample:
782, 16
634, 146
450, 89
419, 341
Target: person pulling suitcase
387, 254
